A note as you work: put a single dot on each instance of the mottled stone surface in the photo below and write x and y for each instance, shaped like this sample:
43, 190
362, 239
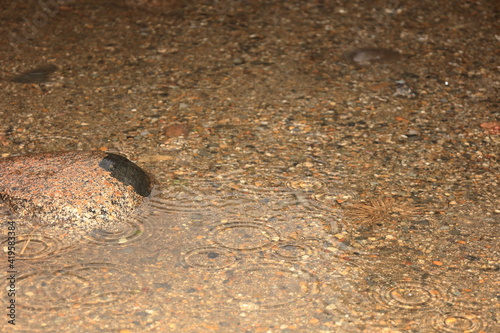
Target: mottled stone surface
73, 188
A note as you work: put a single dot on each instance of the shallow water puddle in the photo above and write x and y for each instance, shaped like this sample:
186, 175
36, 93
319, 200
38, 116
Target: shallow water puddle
324, 166
228, 255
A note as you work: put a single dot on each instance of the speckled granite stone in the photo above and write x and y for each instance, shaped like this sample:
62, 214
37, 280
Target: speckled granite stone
83, 189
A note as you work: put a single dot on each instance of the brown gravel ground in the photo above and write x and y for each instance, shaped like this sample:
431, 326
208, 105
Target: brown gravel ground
324, 166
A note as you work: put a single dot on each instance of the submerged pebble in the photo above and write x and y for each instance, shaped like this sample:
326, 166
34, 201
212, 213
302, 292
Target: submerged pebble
39, 74
369, 56
82, 189
404, 90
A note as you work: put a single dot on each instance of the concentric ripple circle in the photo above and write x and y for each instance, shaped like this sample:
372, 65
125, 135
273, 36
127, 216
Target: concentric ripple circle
123, 233
269, 286
92, 284
410, 295
209, 258
181, 202
56, 287
458, 322
244, 236
34, 246
293, 251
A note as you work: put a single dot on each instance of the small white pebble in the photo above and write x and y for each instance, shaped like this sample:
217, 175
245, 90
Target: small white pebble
331, 307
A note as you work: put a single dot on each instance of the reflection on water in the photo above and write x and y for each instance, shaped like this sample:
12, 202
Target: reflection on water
221, 253
410, 295
91, 284
128, 231
35, 246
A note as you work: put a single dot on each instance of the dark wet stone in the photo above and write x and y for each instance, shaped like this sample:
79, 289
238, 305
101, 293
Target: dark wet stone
128, 173
37, 75
386, 250
166, 286
212, 255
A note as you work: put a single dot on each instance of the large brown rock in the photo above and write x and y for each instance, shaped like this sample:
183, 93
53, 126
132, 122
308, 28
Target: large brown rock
83, 189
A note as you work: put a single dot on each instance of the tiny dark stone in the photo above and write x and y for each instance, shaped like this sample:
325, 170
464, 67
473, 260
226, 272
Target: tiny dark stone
422, 222
386, 250
128, 173
212, 255
164, 285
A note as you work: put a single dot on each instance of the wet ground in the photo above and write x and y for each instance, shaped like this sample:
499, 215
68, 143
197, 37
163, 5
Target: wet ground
321, 166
